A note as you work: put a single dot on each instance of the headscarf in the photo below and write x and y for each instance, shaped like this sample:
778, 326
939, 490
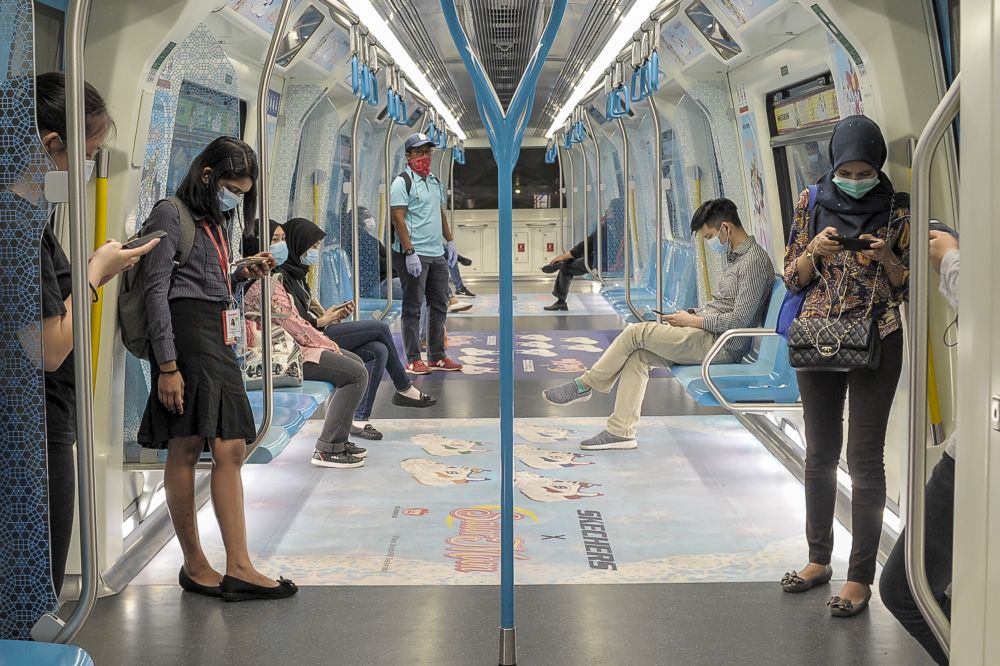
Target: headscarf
855, 138
300, 235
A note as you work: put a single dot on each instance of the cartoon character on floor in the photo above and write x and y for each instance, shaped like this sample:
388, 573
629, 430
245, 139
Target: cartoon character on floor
536, 344
474, 351
478, 370
567, 365
535, 337
581, 341
439, 445
541, 434
429, 473
459, 340
543, 489
477, 360
592, 349
537, 458
544, 353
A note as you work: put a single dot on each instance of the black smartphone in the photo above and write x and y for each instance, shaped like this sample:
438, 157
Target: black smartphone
662, 313
246, 261
940, 226
142, 240
853, 244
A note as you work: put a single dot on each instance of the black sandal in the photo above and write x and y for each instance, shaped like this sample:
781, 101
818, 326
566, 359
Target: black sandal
234, 589
840, 607
792, 582
189, 585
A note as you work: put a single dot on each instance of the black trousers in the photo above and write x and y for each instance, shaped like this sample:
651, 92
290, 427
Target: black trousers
893, 586
62, 504
567, 271
871, 395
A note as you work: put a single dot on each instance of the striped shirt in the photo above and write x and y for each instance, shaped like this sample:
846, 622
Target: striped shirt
741, 297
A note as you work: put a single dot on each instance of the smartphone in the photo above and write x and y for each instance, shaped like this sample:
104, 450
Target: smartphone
142, 240
662, 313
245, 261
853, 244
940, 226
344, 305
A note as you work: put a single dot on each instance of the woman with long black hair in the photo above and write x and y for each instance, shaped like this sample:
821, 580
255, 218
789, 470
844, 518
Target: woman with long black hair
198, 396
854, 200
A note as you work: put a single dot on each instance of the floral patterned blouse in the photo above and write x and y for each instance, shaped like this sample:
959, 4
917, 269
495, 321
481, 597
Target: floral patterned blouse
859, 273
312, 342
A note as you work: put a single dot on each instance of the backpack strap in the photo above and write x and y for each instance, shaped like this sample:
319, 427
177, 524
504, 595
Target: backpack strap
407, 181
813, 191
188, 230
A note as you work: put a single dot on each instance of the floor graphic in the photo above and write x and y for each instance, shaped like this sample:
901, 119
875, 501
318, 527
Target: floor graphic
531, 305
699, 501
542, 354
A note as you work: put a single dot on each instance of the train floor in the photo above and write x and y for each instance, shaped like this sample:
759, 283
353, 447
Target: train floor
398, 561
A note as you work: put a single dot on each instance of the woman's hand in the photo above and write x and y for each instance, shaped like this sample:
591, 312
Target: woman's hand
111, 259
941, 245
879, 250
335, 314
170, 390
822, 246
258, 269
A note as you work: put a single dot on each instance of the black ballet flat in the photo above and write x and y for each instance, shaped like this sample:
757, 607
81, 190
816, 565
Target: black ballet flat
234, 589
840, 607
197, 588
424, 400
792, 582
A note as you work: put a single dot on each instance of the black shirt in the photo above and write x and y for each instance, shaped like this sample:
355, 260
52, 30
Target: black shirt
60, 385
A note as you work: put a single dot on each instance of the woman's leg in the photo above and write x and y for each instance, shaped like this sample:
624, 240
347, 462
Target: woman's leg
823, 396
227, 500
373, 355
178, 483
62, 503
347, 372
352, 335
871, 395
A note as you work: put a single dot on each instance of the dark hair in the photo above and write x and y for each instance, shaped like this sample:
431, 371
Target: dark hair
50, 106
713, 213
228, 158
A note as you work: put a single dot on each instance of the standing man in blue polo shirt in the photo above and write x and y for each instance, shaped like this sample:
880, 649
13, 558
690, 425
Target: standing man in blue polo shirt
423, 252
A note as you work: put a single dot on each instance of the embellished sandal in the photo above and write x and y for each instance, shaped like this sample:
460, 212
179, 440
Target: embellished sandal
840, 607
792, 582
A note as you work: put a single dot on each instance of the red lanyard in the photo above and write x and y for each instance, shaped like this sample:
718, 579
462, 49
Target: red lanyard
222, 251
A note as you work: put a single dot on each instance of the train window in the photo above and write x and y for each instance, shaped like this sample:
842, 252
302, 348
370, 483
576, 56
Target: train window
535, 182
48, 37
801, 119
297, 36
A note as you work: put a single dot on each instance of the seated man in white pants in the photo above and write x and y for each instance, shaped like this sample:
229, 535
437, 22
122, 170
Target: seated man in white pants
740, 301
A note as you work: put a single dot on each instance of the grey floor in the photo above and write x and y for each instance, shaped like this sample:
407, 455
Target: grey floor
676, 624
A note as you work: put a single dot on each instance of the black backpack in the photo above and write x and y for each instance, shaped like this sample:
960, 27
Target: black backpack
132, 320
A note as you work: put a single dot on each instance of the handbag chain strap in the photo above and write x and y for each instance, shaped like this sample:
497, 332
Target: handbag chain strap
831, 350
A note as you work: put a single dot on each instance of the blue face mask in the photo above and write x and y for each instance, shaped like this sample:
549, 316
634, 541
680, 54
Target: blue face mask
855, 188
228, 200
311, 258
716, 244
280, 252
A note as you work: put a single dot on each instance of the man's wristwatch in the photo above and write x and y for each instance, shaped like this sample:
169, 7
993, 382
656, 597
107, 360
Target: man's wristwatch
409, 252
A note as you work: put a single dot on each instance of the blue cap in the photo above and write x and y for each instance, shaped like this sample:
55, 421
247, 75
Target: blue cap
417, 140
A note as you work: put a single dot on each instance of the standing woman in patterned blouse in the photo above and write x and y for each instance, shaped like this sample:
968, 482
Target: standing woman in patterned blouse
856, 200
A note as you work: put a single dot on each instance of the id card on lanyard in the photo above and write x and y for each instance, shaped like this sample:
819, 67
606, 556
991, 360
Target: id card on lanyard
232, 328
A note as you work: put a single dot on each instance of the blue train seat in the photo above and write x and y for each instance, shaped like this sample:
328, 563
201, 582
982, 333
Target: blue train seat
42, 654
648, 287
680, 286
765, 376
337, 286
318, 391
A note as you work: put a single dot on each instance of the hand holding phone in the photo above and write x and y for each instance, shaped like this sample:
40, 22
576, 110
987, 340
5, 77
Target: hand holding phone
853, 244
143, 240
937, 225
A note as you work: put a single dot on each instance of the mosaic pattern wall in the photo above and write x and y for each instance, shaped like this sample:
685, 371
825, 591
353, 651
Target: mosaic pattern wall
289, 166
26, 585
196, 100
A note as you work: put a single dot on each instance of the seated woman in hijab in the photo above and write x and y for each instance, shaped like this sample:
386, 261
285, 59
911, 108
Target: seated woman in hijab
369, 339
855, 200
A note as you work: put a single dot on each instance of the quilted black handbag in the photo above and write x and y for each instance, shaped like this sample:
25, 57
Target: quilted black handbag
838, 345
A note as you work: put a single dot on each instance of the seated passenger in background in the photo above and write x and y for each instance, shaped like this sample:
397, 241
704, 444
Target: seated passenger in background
370, 339
571, 264
939, 507
740, 300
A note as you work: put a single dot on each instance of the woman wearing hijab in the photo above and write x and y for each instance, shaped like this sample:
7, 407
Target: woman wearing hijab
371, 340
324, 361
854, 200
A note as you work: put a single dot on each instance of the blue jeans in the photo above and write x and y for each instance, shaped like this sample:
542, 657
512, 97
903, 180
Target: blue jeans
456, 277
373, 343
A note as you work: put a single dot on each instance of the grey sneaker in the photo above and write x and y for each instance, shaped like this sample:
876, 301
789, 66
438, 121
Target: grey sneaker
565, 394
605, 440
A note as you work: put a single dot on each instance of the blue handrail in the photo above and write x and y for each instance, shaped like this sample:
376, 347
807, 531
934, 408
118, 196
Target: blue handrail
355, 74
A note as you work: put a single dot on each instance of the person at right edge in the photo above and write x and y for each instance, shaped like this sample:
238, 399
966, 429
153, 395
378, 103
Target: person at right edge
423, 252
939, 503
856, 200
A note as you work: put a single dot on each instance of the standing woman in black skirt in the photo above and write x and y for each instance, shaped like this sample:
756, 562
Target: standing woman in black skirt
198, 396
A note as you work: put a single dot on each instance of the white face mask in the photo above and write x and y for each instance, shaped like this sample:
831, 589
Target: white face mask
57, 183
716, 244
370, 225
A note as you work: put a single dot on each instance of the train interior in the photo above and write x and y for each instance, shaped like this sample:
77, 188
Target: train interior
399, 562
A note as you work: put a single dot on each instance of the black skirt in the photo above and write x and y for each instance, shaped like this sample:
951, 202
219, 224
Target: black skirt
215, 401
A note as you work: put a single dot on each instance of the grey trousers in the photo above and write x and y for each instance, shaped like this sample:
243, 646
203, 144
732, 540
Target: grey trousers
347, 372
430, 287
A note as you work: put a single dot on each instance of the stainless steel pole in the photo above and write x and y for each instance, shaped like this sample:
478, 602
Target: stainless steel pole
658, 157
387, 233
627, 176
355, 241
599, 270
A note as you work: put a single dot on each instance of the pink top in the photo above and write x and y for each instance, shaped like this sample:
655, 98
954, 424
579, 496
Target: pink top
312, 342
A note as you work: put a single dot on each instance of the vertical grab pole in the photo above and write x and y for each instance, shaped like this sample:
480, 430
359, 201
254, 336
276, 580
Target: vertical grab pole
356, 226
626, 176
387, 230
559, 193
658, 157
570, 195
916, 571
263, 215
76, 140
506, 131
600, 198
586, 213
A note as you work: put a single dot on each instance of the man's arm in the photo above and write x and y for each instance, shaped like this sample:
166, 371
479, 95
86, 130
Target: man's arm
445, 229
399, 204
399, 224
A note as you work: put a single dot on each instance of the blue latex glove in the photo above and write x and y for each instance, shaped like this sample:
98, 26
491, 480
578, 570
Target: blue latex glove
452, 253
413, 265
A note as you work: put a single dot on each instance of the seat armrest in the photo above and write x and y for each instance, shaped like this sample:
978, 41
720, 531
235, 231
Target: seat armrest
741, 407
